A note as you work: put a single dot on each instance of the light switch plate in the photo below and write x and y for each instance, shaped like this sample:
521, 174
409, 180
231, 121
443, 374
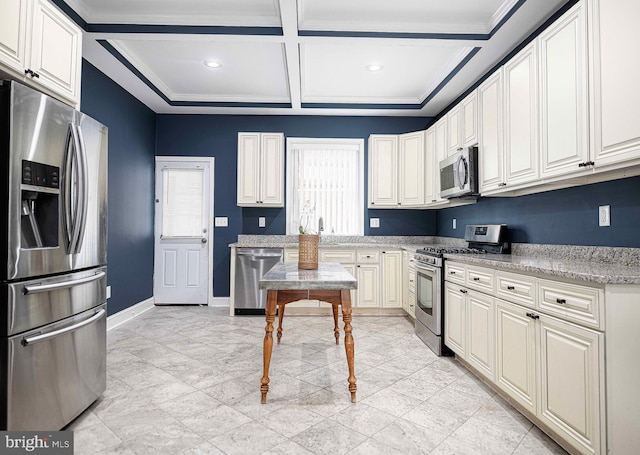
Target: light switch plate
262, 221
108, 292
221, 221
604, 215
455, 224
374, 222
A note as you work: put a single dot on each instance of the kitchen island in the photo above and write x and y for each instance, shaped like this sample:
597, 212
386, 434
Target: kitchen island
285, 283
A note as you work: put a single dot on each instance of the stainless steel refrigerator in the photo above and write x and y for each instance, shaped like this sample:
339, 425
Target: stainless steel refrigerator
53, 256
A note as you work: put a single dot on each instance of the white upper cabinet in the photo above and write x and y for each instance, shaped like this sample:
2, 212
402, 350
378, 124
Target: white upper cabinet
615, 89
441, 149
490, 137
462, 122
383, 170
411, 169
396, 170
13, 33
260, 170
431, 167
564, 132
521, 117
42, 47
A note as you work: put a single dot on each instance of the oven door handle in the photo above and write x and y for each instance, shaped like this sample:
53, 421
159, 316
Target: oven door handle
56, 333
426, 268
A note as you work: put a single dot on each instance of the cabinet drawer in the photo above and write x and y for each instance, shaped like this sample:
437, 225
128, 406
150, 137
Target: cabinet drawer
412, 279
516, 288
572, 302
341, 256
291, 255
454, 272
368, 256
479, 278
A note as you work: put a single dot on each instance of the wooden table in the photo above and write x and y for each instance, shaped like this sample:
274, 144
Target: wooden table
285, 283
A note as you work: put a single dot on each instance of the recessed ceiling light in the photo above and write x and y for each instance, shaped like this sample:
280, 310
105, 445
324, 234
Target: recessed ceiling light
373, 67
212, 64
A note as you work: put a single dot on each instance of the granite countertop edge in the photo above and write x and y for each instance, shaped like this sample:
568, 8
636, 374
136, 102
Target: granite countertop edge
588, 271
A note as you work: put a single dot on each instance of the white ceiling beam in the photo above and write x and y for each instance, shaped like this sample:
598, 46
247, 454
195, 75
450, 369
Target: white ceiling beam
289, 18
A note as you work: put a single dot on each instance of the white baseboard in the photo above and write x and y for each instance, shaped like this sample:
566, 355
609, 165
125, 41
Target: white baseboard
220, 302
130, 313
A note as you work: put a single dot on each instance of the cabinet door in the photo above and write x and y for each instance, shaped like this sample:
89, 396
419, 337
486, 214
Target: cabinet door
616, 89
272, 169
392, 279
480, 333
248, 168
411, 169
521, 117
455, 318
454, 130
516, 354
368, 276
441, 149
13, 34
570, 381
469, 120
56, 50
383, 170
490, 129
563, 94
431, 167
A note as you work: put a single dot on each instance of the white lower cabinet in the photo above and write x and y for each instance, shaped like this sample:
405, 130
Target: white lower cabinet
554, 369
409, 286
516, 354
391, 279
368, 276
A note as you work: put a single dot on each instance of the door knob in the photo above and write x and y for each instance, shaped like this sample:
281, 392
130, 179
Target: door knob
204, 240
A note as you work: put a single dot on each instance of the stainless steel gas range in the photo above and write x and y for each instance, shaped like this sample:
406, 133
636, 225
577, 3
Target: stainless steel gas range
487, 238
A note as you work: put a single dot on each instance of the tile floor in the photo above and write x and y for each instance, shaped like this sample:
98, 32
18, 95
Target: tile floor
185, 380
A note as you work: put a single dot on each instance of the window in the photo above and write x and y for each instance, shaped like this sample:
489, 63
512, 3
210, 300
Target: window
325, 180
182, 202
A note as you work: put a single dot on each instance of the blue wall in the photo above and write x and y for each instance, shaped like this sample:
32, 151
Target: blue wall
568, 216
217, 136
132, 128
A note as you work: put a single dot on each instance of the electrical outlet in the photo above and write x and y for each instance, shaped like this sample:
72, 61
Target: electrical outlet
108, 292
455, 224
262, 221
221, 221
374, 222
604, 215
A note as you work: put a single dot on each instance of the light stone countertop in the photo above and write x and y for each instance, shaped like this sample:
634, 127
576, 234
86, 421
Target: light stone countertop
287, 276
562, 267
598, 265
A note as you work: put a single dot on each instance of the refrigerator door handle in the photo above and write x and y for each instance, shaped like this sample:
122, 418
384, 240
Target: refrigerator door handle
62, 284
83, 189
67, 216
47, 336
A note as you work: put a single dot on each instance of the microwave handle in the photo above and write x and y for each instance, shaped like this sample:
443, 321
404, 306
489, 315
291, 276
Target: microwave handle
462, 172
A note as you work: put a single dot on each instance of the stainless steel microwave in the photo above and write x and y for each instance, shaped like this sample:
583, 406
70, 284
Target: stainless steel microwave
459, 174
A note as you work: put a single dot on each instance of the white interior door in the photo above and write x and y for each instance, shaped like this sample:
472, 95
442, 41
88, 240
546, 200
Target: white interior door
183, 231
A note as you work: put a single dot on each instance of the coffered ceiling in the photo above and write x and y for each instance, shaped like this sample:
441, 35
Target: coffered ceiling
302, 56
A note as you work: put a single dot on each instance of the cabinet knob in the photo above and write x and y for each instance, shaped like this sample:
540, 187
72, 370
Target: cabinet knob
452, 272
510, 288
476, 278
501, 184
464, 291
561, 301
533, 316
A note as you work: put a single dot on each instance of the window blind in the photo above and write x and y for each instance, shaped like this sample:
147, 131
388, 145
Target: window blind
326, 184
182, 202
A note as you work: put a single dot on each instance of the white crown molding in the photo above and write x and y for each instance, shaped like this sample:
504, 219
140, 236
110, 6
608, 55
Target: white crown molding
446, 70
500, 13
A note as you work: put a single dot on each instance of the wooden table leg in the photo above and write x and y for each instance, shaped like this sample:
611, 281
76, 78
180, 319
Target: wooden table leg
280, 316
345, 297
272, 298
336, 329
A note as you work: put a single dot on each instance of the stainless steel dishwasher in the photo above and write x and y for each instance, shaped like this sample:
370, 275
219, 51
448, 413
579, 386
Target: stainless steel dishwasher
251, 264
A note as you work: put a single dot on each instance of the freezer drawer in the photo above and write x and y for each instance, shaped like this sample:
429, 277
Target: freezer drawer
53, 373
34, 303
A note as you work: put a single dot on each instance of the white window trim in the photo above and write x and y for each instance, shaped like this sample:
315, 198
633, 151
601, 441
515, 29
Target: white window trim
327, 144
